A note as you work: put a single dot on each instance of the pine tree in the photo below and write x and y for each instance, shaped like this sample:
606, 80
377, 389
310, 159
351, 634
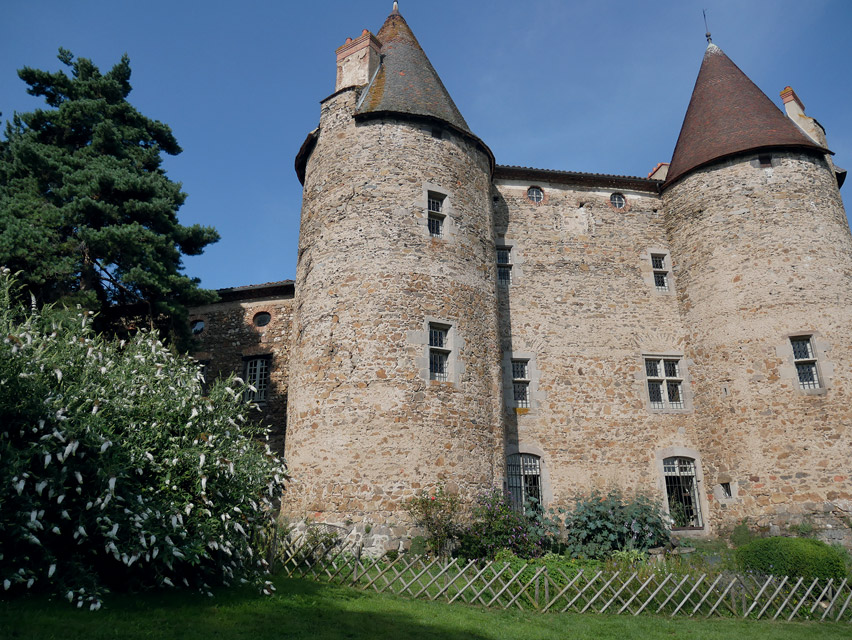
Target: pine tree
87, 214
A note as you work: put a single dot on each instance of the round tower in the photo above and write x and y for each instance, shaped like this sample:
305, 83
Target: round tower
394, 381
763, 257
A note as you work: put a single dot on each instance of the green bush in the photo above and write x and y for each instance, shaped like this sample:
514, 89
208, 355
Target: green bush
741, 534
437, 513
793, 557
560, 569
115, 469
496, 526
599, 524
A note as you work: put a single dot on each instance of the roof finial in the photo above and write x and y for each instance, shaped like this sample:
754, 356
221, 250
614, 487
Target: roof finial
706, 28
395, 7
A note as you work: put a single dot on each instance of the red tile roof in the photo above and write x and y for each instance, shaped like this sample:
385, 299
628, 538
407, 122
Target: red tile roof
728, 115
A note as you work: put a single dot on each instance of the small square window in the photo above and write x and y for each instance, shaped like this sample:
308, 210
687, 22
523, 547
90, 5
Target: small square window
726, 490
436, 225
806, 362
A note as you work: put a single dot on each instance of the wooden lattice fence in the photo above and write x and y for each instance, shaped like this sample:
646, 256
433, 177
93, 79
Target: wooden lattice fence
538, 588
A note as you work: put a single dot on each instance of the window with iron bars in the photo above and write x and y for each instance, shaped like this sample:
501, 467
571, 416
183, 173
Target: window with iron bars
661, 271
504, 265
439, 352
682, 493
436, 214
257, 376
521, 383
523, 475
665, 383
806, 362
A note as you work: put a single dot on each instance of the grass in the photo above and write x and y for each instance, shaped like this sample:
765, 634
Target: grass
305, 609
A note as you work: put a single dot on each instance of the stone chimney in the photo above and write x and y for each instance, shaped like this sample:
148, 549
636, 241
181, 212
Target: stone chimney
795, 109
357, 60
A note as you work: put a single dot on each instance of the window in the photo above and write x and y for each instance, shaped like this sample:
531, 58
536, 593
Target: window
617, 200
436, 214
665, 383
523, 472
726, 490
682, 493
661, 271
504, 265
262, 319
765, 161
197, 327
257, 375
806, 363
535, 194
521, 383
439, 352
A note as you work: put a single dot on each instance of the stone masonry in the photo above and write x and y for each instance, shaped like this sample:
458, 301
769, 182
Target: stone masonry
460, 323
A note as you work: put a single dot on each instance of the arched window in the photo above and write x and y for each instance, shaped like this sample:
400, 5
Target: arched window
682, 493
523, 471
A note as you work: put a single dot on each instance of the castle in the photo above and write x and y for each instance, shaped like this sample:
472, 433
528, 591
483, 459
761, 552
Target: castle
462, 323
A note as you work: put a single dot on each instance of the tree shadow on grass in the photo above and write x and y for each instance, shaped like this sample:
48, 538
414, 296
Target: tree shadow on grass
301, 609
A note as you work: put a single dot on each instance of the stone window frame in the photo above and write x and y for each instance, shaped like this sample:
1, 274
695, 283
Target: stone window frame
267, 375
684, 452
719, 491
685, 378
525, 448
544, 196
455, 344
449, 226
788, 370
508, 241
648, 271
623, 209
194, 321
536, 397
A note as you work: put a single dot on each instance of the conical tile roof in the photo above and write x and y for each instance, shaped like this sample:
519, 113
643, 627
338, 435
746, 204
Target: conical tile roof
406, 81
728, 115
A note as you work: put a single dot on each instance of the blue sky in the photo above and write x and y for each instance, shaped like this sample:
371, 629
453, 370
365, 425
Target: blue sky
588, 85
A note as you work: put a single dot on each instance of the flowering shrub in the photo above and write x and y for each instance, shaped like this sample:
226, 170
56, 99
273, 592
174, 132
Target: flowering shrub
496, 526
115, 469
599, 524
437, 513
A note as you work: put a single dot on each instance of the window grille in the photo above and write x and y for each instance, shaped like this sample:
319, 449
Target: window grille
439, 353
665, 383
806, 362
682, 493
535, 194
521, 383
504, 265
257, 375
661, 272
617, 200
435, 206
523, 472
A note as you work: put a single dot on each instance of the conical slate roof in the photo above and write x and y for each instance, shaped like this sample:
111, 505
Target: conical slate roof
727, 115
406, 82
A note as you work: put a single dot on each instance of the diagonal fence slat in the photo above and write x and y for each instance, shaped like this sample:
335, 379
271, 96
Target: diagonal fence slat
550, 589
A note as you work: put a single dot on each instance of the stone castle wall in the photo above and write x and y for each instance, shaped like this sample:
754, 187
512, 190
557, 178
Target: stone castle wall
367, 427
763, 254
583, 306
230, 336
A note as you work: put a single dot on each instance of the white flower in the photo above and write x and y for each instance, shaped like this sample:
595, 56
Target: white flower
58, 374
79, 477
19, 487
51, 570
106, 445
6, 584
168, 582
47, 460
112, 484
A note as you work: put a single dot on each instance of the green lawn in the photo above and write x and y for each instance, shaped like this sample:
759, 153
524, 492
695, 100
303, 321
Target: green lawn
304, 609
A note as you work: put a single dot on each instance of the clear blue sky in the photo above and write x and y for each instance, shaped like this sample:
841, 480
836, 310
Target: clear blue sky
587, 85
